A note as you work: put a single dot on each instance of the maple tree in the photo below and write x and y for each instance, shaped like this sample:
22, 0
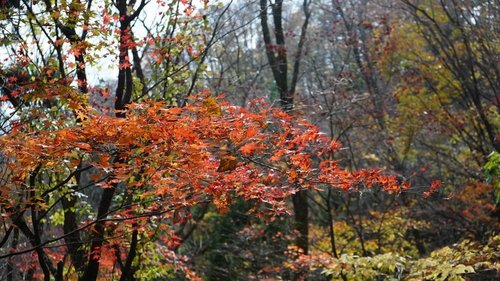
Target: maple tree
146, 162
95, 191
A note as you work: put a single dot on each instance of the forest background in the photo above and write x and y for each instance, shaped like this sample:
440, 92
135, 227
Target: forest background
249, 140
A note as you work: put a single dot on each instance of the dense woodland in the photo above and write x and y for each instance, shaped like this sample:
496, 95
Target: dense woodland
249, 140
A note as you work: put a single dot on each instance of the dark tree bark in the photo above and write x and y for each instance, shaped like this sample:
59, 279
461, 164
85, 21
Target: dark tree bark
124, 91
276, 53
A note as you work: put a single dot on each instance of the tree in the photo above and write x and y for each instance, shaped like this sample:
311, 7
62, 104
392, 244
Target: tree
92, 194
450, 64
277, 55
147, 159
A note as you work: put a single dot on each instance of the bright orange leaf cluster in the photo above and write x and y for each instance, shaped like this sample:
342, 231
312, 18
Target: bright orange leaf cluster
177, 152
176, 158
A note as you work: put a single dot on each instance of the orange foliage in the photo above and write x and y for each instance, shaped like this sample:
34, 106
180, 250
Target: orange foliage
177, 158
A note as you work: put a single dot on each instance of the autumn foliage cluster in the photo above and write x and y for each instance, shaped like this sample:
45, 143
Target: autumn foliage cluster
165, 160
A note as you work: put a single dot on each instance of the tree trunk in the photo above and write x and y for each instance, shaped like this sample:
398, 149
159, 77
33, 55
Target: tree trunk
277, 56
